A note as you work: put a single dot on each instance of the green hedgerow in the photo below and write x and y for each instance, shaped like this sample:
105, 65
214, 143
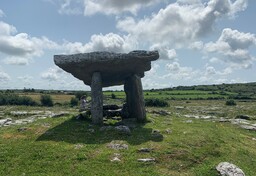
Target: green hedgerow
155, 102
230, 103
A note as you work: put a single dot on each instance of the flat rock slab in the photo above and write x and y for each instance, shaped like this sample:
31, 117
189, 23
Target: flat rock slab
115, 68
228, 169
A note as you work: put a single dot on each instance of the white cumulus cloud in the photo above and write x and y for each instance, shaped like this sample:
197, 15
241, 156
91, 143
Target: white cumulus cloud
1, 13
109, 42
233, 46
71, 7
52, 74
180, 23
4, 77
115, 6
20, 47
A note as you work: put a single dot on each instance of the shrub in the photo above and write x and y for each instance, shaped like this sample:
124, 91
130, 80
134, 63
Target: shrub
155, 102
73, 102
14, 99
113, 96
230, 103
80, 94
28, 101
46, 100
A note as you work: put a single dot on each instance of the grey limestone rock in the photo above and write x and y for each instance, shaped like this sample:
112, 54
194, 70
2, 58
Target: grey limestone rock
123, 129
145, 150
118, 146
5, 121
228, 169
97, 98
145, 160
114, 67
135, 98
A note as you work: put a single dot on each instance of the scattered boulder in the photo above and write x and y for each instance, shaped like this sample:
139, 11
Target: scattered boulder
199, 116
22, 129
59, 114
122, 129
246, 117
145, 150
228, 169
91, 130
106, 128
161, 112
78, 146
239, 121
5, 121
116, 158
189, 121
118, 146
112, 113
224, 120
131, 123
111, 107
146, 160
168, 131
156, 135
18, 113
248, 127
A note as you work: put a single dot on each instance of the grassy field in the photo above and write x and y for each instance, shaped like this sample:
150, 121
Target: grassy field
184, 146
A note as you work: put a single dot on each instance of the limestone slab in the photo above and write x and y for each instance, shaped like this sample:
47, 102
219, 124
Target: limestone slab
114, 67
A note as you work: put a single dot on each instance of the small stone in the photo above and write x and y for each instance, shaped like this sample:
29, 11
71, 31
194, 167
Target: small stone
224, 120
115, 159
155, 131
106, 128
145, 150
118, 146
4, 121
168, 131
254, 139
228, 169
59, 114
147, 160
78, 146
248, 127
189, 121
47, 125
156, 134
246, 117
123, 129
22, 129
91, 130
161, 112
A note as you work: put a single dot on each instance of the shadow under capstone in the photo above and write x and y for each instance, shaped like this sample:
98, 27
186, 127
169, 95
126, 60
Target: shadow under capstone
83, 131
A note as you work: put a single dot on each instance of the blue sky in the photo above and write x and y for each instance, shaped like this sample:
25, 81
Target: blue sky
199, 41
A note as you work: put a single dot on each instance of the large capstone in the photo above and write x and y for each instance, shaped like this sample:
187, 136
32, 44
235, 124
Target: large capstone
115, 68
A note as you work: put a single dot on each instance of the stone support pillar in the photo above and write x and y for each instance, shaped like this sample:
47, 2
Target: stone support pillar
97, 99
135, 98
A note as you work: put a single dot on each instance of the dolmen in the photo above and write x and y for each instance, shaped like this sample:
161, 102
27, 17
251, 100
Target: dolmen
104, 69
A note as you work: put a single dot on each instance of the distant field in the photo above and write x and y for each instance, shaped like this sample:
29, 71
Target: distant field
178, 94
57, 98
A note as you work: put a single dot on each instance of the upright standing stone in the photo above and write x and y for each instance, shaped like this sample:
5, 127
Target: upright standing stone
135, 98
97, 98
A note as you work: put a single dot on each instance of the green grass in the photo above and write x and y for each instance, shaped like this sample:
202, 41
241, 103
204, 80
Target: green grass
49, 146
